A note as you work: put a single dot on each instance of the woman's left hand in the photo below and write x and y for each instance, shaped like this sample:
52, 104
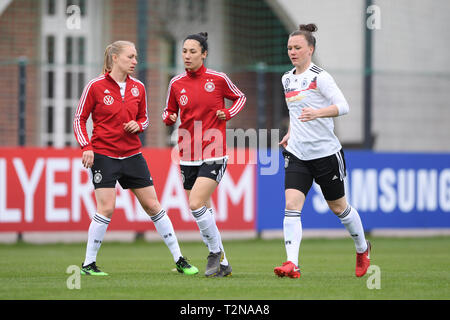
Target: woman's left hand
221, 115
131, 127
308, 114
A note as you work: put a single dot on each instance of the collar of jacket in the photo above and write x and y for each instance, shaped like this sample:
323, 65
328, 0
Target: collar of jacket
199, 72
108, 76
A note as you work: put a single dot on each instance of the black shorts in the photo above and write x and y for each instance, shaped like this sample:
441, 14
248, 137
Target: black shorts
328, 172
213, 170
132, 172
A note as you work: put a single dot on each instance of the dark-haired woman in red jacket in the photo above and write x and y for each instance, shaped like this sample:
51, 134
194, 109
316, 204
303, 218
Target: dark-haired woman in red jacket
197, 97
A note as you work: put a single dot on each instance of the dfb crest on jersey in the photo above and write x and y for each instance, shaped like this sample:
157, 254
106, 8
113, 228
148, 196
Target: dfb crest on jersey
135, 92
304, 83
209, 86
108, 100
183, 100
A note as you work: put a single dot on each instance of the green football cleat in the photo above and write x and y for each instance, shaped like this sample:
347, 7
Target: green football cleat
184, 267
92, 270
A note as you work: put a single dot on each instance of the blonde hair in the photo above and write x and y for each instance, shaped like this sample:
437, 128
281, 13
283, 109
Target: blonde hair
113, 48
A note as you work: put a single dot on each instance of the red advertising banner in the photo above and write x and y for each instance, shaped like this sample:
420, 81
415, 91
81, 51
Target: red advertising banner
49, 190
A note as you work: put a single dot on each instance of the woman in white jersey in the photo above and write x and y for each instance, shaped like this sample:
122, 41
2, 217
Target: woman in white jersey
312, 151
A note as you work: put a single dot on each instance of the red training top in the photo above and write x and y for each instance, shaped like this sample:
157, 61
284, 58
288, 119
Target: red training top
197, 96
101, 97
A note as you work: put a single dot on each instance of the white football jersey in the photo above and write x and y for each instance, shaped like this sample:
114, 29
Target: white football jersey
314, 88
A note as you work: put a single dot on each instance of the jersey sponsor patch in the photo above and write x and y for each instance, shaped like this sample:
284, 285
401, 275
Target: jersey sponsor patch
183, 100
286, 83
108, 100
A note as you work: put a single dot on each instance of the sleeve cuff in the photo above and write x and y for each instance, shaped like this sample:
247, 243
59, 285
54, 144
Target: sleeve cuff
342, 109
168, 122
227, 114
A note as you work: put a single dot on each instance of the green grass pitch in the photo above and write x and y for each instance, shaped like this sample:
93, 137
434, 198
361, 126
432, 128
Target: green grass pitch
410, 268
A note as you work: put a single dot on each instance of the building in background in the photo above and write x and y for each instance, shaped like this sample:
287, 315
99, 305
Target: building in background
63, 43
410, 67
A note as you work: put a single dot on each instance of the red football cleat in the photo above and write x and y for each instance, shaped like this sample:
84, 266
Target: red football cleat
288, 269
363, 261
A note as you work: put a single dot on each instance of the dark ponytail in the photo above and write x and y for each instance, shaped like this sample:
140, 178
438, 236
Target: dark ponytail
202, 38
307, 31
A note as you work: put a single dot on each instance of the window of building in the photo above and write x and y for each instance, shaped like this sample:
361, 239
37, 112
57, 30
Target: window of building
51, 49
67, 64
51, 7
50, 84
50, 112
69, 50
68, 85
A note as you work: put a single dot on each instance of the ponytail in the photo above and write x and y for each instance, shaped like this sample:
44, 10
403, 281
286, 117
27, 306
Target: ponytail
113, 48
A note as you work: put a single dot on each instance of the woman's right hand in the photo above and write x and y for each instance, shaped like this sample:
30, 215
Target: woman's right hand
173, 117
284, 141
88, 158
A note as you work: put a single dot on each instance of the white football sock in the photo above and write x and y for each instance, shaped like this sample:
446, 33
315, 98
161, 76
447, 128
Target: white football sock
164, 226
219, 237
207, 227
292, 229
96, 233
352, 222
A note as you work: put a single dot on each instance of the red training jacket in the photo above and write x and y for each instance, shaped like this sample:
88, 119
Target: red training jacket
197, 96
101, 97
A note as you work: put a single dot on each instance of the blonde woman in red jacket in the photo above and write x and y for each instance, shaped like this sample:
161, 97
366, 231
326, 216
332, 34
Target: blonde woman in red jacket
117, 103
197, 97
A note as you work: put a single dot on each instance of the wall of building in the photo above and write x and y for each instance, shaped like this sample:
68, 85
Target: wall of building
411, 73
412, 76
410, 61
19, 30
